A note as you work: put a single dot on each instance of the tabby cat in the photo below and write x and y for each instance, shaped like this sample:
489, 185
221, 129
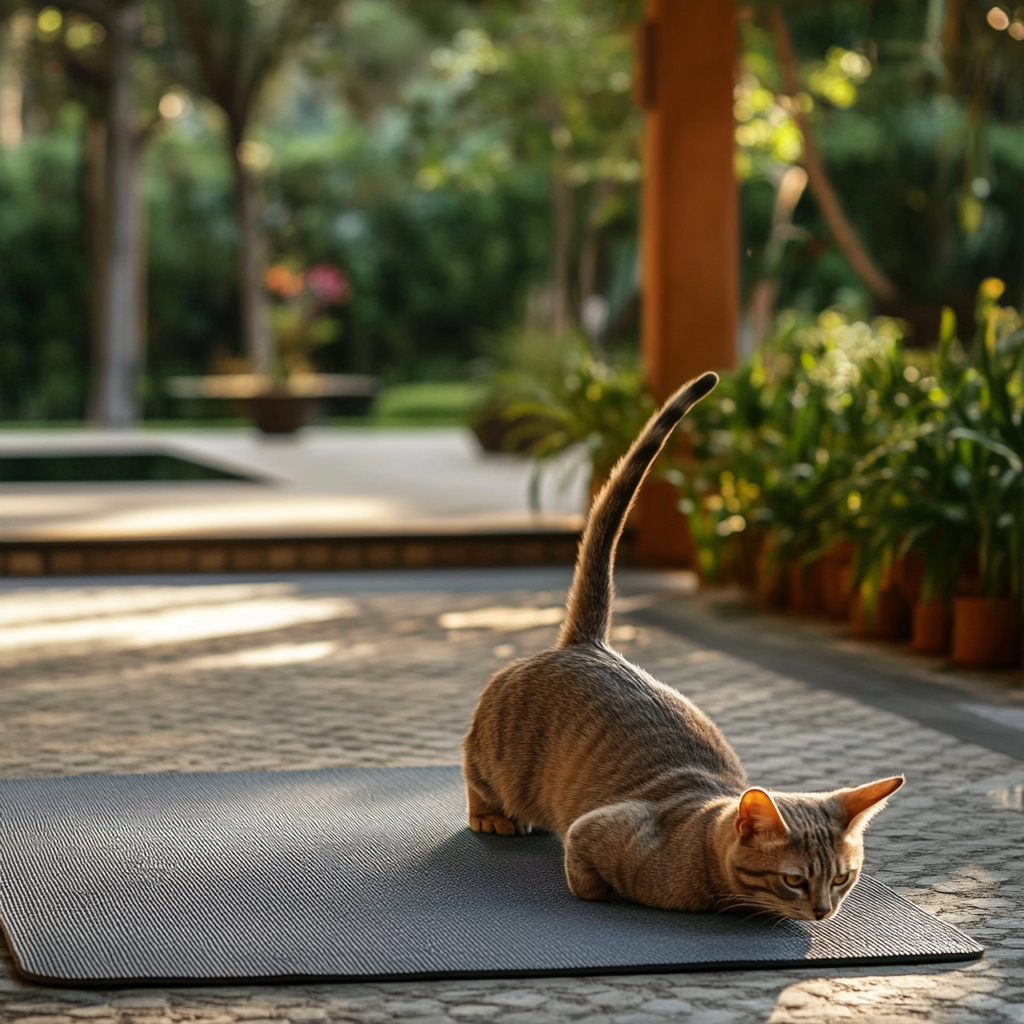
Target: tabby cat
646, 793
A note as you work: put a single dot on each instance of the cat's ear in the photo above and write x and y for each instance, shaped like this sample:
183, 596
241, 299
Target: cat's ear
758, 818
862, 803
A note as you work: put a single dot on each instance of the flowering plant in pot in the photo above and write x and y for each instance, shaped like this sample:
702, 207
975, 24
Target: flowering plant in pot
300, 317
910, 503
302, 322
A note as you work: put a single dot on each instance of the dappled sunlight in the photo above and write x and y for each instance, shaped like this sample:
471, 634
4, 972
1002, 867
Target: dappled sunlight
502, 619
45, 605
828, 998
262, 657
175, 625
1010, 797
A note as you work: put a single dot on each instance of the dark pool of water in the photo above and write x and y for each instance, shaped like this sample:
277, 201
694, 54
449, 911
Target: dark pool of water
126, 467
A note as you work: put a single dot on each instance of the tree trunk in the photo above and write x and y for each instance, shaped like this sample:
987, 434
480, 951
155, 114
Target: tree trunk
761, 306
12, 78
117, 399
256, 339
96, 216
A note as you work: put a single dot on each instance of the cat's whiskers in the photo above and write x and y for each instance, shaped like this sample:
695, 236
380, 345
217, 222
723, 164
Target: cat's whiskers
732, 902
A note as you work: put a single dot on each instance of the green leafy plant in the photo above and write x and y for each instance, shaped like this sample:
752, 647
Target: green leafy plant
773, 442
950, 486
567, 402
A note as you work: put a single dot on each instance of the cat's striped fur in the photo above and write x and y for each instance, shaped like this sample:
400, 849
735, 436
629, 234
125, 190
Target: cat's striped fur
645, 791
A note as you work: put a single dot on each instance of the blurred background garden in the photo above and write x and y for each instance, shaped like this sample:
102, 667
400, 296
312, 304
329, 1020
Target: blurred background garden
439, 200
472, 170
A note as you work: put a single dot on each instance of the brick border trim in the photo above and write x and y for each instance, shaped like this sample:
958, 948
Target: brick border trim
285, 554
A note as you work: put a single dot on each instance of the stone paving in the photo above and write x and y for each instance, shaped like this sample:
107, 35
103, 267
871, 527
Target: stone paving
149, 678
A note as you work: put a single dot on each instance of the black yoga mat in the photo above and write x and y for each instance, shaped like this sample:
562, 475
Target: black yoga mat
346, 874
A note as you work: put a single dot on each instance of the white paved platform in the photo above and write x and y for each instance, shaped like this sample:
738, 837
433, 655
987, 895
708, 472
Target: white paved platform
322, 481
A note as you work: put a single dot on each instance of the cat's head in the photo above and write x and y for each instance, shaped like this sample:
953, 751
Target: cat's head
799, 854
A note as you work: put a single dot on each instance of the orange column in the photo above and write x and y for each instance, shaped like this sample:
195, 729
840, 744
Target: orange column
690, 225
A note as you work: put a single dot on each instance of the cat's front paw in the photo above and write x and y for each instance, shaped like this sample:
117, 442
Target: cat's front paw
589, 885
497, 823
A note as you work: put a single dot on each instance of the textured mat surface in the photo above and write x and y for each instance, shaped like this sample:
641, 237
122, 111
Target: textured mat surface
344, 874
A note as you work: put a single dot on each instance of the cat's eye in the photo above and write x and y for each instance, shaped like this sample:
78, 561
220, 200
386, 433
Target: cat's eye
793, 881
841, 879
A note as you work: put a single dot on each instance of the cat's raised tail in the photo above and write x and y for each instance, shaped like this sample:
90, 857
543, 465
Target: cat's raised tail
588, 614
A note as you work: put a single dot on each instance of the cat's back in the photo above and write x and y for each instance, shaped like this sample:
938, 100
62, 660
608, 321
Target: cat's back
577, 727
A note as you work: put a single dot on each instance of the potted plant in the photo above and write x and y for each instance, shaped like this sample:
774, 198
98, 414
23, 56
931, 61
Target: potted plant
789, 425
592, 408
301, 323
946, 490
989, 440
302, 320
913, 510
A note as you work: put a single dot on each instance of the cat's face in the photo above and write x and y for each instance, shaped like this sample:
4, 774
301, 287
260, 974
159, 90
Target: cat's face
799, 854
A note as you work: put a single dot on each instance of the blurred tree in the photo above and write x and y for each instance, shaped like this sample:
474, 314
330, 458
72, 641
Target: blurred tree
419, 143
115, 397
94, 46
238, 44
544, 83
910, 114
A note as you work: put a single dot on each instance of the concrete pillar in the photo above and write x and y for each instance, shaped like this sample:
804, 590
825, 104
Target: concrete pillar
690, 222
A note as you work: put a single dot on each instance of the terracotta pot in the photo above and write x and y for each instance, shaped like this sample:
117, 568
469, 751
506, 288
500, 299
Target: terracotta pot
749, 545
908, 575
986, 632
495, 433
279, 414
890, 618
835, 580
805, 586
933, 627
771, 583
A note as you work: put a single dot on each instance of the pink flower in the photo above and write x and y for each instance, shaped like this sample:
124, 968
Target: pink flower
330, 285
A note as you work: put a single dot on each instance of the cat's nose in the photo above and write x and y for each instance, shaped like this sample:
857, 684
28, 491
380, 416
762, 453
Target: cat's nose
822, 912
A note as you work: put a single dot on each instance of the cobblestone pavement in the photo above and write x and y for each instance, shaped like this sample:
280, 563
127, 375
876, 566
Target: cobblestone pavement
267, 676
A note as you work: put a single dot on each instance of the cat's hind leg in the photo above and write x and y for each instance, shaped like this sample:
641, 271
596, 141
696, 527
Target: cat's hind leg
485, 816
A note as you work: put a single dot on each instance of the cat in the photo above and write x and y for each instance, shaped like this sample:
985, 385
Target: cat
645, 791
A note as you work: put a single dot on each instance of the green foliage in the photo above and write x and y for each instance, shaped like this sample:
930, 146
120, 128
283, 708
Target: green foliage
834, 433
949, 483
418, 143
772, 441
440, 403
916, 108
192, 290
432, 272
238, 45
540, 82
559, 399
44, 287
